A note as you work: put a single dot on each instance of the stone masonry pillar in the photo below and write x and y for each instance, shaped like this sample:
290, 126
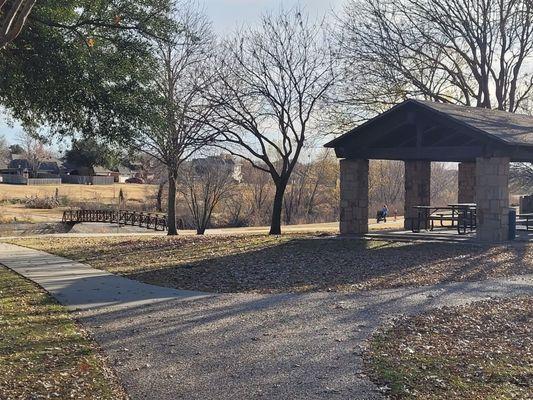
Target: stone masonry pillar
353, 196
466, 182
417, 188
492, 197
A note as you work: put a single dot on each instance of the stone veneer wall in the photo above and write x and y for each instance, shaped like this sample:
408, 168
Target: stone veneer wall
526, 204
466, 182
492, 197
417, 188
353, 196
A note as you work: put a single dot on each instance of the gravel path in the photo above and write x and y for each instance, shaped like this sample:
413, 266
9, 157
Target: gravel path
243, 346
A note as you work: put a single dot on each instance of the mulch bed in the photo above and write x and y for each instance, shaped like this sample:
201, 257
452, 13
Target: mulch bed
291, 263
479, 351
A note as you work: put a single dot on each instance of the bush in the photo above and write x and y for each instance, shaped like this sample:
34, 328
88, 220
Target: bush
42, 202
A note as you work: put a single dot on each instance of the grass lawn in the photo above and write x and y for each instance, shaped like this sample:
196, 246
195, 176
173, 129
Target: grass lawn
291, 263
43, 352
481, 351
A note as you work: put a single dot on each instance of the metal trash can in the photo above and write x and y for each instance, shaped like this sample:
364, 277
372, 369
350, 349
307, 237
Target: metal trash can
512, 224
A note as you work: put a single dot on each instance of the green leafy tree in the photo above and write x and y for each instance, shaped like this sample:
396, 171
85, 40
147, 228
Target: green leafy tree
91, 152
82, 66
16, 149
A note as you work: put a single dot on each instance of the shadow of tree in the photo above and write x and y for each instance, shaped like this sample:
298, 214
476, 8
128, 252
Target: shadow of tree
263, 346
319, 264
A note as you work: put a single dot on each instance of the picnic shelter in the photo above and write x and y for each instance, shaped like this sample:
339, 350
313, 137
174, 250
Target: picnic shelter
483, 141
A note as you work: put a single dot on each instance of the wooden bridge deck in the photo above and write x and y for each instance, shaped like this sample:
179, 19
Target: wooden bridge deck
155, 221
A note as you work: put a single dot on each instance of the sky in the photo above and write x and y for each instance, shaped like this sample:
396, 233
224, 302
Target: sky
229, 14
226, 16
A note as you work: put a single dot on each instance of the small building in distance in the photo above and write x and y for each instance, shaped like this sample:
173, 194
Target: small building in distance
40, 168
220, 162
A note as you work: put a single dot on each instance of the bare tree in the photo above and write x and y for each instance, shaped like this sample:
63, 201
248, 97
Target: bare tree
474, 53
320, 200
203, 190
443, 183
386, 184
296, 192
179, 128
13, 15
261, 194
521, 176
4, 151
34, 150
237, 209
269, 85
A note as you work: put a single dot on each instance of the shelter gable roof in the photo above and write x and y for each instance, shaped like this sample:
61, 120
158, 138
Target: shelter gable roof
501, 126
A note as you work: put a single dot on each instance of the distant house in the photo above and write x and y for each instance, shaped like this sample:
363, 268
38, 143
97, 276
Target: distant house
119, 174
41, 168
83, 170
221, 162
122, 173
98, 170
84, 175
51, 167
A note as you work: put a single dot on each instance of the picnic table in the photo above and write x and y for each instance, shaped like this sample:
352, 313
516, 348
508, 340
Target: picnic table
525, 220
459, 215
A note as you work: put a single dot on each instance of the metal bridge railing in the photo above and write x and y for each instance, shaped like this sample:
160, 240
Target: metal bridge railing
153, 221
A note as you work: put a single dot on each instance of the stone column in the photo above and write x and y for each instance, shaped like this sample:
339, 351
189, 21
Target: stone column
492, 197
417, 188
353, 196
466, 182
526, 204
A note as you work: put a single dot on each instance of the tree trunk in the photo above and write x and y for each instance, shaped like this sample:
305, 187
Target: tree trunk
171, 209
159, 204
200, 231
277, 207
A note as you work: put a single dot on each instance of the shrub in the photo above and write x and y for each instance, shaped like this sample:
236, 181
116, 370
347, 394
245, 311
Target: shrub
42, 202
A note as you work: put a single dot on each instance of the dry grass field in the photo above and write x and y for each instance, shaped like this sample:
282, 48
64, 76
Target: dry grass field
106, 194
12, 198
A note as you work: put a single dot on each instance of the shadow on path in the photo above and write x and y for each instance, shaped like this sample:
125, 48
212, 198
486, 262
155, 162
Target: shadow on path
171, 344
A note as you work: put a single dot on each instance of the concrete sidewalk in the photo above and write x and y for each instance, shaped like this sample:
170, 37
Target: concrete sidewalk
81, 287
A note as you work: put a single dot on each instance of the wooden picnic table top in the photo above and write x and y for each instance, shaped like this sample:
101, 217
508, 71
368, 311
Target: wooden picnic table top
463, 205
449, 207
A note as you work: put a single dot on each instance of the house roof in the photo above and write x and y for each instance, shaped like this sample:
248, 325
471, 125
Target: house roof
49, 165
462, 133
510, 128
19, 163
98, 169
123, 170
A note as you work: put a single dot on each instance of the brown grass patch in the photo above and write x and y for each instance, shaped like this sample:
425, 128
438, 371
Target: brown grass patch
43, 352
291, 263
481, 351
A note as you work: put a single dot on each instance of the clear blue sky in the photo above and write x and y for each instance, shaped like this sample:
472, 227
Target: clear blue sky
227, 15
